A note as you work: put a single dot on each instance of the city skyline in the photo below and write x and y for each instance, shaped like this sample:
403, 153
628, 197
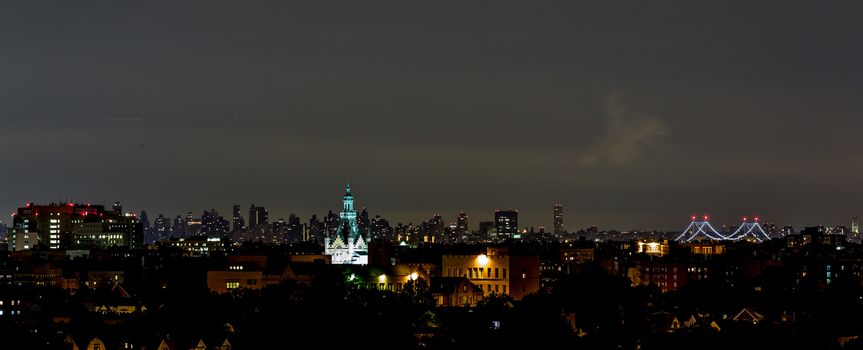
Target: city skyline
473, 224
632, 116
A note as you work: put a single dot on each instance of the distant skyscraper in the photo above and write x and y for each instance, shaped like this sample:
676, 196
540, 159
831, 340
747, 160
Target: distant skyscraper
263, 216
506, 223
179, 228
332, 222
118, 207
485, 227
380, 229
239, 223
162, 227
433, 230
294, 232
558, 219
253, 217
461, 225
363, 221
149, 233
259, 224
348, 245
855, 225
316, 229
280, 229
214, 225
193, 225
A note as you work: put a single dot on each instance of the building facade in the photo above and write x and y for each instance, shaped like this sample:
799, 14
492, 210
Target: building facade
495, 272
71, 225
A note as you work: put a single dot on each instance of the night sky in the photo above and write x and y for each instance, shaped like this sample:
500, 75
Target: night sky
632, 115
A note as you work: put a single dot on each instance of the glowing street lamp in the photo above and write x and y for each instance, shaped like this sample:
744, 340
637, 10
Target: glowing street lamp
482, 260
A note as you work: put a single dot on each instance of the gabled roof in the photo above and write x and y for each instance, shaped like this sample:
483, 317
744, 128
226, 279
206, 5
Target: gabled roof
748, 315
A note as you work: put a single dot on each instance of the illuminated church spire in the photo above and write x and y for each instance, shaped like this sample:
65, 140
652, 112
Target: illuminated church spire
347, 245
348, 200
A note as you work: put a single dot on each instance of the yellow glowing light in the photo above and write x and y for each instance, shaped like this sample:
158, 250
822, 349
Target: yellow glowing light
482, 260
382, 278
414, 276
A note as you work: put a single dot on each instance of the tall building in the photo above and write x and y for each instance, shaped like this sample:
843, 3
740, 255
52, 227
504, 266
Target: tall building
263, 216
193, 225
253, 217
433, 230
331, 222
178, 230
149, 234
855, 225
162, 226
485, 228
118, 207
558, 219
296, 231
461, 225
364, 222
239, 223
506, 223
347, 245
214, 225
280, 229
73, 226
316, 229
380, 229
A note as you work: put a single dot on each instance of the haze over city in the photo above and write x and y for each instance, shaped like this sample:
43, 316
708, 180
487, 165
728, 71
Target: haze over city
632, 116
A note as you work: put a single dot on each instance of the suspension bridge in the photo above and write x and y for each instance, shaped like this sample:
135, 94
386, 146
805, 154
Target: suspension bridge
700, 228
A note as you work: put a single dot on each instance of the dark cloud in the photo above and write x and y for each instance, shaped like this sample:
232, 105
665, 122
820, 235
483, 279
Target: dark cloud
627, 134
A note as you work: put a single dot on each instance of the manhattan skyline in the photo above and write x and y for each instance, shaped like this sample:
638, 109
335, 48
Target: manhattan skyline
631, 116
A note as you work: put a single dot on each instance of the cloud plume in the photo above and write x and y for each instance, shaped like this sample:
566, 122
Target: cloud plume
627, 134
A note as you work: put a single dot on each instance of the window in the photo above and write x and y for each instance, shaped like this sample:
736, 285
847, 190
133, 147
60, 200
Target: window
504, 272
496, 272
232, 285
504, 289
253, 282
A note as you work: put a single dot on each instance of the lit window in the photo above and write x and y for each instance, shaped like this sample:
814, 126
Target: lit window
232, 285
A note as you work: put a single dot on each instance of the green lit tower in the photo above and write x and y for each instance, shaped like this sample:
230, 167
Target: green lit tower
347, 245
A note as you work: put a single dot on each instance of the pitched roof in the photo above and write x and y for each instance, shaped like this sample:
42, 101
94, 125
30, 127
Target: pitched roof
748, 315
